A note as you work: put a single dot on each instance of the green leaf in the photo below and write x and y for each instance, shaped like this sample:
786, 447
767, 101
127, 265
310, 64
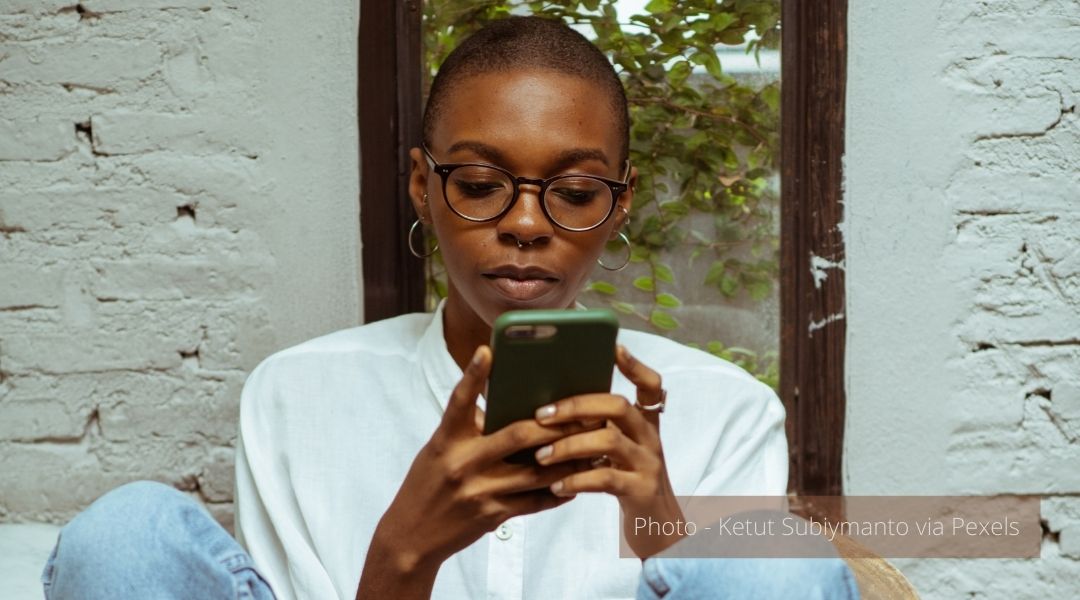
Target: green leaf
668, 301
659, 6
602, 287
678, 73
728, 285
693, 255
663, 273
770, 94
663, 320
716, 271
712, 65
645, 284
623, 307
759, 290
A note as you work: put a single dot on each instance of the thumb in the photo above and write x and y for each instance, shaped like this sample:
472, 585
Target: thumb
461, 408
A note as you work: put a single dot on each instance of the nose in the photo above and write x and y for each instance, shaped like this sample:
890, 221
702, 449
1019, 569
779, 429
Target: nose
525, 223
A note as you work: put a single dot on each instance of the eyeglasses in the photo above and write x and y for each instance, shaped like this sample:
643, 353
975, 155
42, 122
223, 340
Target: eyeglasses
479, 192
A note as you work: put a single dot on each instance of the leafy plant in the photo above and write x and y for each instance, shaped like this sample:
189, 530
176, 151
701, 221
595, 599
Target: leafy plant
705, 144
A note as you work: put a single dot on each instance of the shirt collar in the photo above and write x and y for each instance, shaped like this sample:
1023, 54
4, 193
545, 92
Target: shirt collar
438, 367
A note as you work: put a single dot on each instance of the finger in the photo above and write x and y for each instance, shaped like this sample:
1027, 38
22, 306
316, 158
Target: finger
506, 478
609, 441
647, 381
460, 409
608, 480
612, 407
518, 435
533, 502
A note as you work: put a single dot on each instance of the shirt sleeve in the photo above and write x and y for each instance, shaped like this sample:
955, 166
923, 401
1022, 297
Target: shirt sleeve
751, 456
269, 523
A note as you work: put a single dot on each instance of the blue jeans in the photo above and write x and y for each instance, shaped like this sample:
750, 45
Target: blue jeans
147, 540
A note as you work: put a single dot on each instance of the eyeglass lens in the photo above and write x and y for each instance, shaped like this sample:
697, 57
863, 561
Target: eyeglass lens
478, 192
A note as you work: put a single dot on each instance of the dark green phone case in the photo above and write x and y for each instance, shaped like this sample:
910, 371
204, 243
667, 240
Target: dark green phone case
529, 372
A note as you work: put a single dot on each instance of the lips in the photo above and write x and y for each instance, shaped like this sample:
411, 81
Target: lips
521, 283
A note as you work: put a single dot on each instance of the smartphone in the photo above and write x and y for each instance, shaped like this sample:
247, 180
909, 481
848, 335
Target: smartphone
540, 356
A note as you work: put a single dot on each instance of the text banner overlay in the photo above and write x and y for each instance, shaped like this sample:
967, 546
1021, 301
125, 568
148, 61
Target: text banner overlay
847, 526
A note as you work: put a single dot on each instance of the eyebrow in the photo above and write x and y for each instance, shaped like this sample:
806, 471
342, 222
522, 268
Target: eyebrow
564, 159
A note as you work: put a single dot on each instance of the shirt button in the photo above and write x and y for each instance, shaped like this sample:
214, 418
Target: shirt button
503, 532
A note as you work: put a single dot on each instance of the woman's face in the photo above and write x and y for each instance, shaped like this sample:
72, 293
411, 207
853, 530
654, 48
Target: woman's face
535, 124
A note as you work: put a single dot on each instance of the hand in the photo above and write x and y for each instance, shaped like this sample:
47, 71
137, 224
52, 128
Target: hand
637, 473
458, 486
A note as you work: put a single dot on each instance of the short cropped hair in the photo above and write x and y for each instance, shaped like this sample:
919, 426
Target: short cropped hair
517, 43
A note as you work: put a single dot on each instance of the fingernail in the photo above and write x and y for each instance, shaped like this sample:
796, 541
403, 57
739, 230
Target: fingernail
556, 487
544, 452
477, 357
626, 354
545, 412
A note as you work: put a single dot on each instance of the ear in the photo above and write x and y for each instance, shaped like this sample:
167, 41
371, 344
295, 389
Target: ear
626, 200
418, 185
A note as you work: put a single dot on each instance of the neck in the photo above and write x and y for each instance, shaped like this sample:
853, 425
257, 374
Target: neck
463, 329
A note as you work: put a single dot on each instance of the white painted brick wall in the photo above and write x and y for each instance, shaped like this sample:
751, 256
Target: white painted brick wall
153, 248
963, 252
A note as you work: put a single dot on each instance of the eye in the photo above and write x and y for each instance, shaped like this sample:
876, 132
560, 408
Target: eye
478, 189
577, 195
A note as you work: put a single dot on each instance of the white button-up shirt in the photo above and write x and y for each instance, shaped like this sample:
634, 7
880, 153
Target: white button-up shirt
329, 428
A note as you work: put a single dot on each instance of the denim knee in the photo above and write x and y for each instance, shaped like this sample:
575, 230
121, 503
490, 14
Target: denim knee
140, 537
763, 578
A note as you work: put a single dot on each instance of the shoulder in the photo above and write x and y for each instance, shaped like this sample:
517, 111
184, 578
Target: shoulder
389, 339
702, 380
670, 357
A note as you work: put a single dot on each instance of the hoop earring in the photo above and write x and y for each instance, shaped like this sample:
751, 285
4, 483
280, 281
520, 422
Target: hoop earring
412, 249
629, 252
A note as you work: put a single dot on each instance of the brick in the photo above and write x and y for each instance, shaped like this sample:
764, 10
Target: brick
32, 6
86, 351
1050, 153
979, 191
96, 63
1025, 327
123, 5
238, 340
1069, 541
41, 419
84, 209
36, 140
23, 286
1061, 511
168, 279
29, 474
999, 34
220, 176
986, 406
32, 27
217, 478
130, 133
1065, 404
192, 410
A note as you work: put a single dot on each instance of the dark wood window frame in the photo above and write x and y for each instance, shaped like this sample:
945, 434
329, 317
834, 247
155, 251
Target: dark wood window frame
813, 72
812, 323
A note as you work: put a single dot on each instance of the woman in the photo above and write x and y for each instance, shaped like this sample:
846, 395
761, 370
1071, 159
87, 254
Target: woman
361, 467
